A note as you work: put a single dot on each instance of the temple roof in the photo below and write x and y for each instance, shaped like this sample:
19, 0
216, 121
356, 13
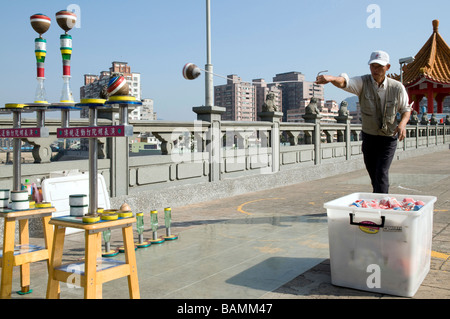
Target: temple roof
431, 63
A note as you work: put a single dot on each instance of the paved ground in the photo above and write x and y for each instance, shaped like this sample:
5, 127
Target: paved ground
270, 244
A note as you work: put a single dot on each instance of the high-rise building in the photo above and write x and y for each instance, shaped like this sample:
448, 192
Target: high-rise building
145, 112
238, 98
295, 90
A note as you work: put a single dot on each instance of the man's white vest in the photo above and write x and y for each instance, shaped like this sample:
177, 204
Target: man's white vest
379, 119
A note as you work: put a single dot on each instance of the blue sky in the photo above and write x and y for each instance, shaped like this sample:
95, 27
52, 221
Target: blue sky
157, 38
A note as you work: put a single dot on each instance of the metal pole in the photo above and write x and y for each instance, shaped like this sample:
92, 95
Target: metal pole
401, 74
17, 172
40, 118
65, 118
209, 89
123, 114
93, 167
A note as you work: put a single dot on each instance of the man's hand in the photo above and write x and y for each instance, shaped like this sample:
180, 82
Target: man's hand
401, 128
400, 131
324, 79
337, 81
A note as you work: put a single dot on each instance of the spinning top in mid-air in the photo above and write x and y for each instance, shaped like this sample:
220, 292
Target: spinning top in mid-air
40, 23
66, 19
191, 71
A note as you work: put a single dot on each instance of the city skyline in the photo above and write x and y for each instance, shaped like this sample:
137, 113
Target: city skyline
252, 39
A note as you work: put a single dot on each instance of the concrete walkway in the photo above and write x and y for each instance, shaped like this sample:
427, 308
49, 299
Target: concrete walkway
269, 245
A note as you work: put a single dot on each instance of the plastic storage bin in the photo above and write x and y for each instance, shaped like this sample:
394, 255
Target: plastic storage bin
379, 250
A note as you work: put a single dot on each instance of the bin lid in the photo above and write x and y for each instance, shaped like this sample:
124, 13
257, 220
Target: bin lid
57, 191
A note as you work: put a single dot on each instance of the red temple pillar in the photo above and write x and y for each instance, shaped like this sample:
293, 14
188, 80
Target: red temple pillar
416, 99
430, 98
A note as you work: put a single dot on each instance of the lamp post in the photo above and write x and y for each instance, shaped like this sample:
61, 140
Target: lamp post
404, 61
209, 89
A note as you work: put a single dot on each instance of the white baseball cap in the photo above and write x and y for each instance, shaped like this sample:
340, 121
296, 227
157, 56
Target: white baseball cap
379, 57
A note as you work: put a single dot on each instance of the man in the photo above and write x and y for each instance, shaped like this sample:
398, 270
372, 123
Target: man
380, 99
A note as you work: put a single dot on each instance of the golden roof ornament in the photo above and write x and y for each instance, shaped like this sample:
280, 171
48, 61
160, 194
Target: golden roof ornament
435, 25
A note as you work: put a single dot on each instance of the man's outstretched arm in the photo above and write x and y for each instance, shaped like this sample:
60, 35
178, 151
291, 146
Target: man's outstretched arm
337, 81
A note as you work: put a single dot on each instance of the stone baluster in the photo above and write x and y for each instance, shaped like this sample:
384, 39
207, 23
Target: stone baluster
275, 118
312, 115
345, 118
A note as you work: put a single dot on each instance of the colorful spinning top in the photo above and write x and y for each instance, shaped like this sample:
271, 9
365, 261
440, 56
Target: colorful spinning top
191, 71
66, 19
40, 23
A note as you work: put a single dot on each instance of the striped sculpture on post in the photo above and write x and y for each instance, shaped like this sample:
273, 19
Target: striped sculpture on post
66, 20
40, 23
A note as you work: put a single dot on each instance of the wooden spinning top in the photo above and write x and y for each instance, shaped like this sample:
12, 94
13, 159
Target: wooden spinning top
118, 86
125, 207
66, 19
40, 23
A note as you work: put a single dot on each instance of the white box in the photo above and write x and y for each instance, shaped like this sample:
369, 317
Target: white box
57, 191
393, 259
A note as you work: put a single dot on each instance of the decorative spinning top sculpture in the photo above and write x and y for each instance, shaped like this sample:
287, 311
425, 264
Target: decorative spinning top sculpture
40, 23
66, 20
118, 86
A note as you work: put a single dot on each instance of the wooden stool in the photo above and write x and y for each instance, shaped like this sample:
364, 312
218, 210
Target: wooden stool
24, 254
96, 270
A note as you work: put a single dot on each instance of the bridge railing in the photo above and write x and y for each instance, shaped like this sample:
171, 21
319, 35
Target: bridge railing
191, 153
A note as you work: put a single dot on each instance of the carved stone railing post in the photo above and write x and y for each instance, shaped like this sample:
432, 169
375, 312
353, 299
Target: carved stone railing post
346, 119
213, 115
275, 119
315, 119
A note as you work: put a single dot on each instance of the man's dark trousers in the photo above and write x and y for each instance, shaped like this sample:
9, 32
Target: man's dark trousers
378, 154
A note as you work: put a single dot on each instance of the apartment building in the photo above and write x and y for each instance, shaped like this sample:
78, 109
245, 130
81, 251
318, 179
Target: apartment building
328, 110
295, 90
144, 112
238, 98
